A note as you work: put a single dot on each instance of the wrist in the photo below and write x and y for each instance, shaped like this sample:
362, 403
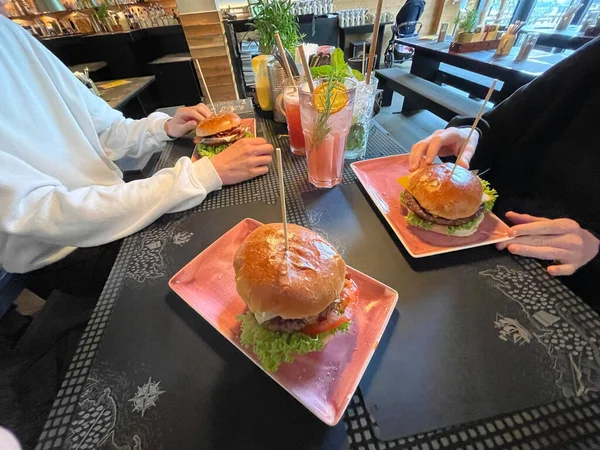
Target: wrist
167, 129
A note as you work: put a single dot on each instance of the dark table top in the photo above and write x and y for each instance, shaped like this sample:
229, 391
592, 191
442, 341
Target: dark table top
486, 62
118, 96
151, 373
92, 66
570, 31
172, 58
569, 38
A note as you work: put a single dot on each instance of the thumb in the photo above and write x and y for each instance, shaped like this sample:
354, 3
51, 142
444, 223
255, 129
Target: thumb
466, 156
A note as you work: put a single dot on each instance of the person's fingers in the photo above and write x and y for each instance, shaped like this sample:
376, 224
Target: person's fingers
262, 160
416, 154
263, 149
557, 226
435, 144
548, 253
565, 241
253, 141
260, 170
188, 126
185, 114
203, 109
518, 218
562, 270
465, 158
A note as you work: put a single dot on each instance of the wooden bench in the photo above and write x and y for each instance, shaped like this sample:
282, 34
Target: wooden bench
422, 94
467, 81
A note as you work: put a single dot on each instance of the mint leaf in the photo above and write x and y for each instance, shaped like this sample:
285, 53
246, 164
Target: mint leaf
358, 75
337, 59
321, 71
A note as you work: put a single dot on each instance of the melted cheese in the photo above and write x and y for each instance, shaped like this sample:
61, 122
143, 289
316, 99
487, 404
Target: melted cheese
403, 181
263, 317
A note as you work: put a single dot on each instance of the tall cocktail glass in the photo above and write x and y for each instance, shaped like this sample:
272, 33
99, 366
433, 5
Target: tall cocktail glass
291, 102
326, 117
364, 99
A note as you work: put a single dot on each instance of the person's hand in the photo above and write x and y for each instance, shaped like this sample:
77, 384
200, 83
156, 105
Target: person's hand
245, 159
560, 240
445, 143
186, 119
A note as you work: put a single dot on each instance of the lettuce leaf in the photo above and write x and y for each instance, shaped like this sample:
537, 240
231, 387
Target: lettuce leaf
273, 348
467, 226
402, 201
210, 150
416, 221
487, 189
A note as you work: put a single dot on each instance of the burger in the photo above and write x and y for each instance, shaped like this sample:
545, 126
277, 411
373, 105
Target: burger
215, 133
296, 299
448, 203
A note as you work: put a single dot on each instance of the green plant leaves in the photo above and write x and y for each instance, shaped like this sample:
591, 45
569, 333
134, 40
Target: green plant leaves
338, 70
273, 16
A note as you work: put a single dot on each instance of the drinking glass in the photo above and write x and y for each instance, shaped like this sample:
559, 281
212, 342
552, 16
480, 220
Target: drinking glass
325, 134
528, 43
261, 77
291, 101
364, 99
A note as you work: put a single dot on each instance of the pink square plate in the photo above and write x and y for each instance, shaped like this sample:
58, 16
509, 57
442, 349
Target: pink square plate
323, 382
379, 177
248, 123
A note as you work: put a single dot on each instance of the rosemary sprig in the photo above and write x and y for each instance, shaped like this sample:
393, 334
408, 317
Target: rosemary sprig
322, 128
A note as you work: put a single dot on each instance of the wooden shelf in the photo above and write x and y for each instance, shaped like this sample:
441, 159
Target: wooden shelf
70, 11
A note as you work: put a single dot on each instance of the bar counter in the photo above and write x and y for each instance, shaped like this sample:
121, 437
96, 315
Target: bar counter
126, 52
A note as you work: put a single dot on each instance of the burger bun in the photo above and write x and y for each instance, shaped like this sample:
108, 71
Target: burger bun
293, 284
444, 196
217, 124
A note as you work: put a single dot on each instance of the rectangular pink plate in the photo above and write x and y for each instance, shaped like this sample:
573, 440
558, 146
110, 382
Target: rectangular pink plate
323, 382
248, 123
379, 177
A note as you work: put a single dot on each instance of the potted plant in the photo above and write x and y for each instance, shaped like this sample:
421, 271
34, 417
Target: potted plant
465, 22
271, 16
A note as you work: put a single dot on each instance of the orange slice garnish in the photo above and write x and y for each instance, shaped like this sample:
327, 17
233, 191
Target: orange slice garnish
338, 97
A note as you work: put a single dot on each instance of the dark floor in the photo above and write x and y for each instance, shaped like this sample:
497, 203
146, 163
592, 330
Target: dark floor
407, 130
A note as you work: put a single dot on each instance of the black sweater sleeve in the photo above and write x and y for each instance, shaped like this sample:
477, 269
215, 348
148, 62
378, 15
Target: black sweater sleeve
516, 129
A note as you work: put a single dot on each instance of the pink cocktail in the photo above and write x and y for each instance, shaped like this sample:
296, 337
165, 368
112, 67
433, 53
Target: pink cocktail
325, 133
292, 112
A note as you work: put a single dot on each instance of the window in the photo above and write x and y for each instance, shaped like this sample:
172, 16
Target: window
547, 13
508, 9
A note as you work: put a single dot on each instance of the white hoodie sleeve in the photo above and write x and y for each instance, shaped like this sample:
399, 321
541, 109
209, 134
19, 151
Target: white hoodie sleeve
38, 206
58, 188
134, 138
122, 137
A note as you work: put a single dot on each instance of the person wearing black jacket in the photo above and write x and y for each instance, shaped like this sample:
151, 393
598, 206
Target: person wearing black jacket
542, 146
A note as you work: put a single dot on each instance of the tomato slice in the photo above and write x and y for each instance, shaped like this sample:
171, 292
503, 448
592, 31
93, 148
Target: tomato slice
348, 299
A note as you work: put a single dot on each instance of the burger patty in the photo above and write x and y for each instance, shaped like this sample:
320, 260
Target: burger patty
217, 139
231, 132
412, 204
289, 325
